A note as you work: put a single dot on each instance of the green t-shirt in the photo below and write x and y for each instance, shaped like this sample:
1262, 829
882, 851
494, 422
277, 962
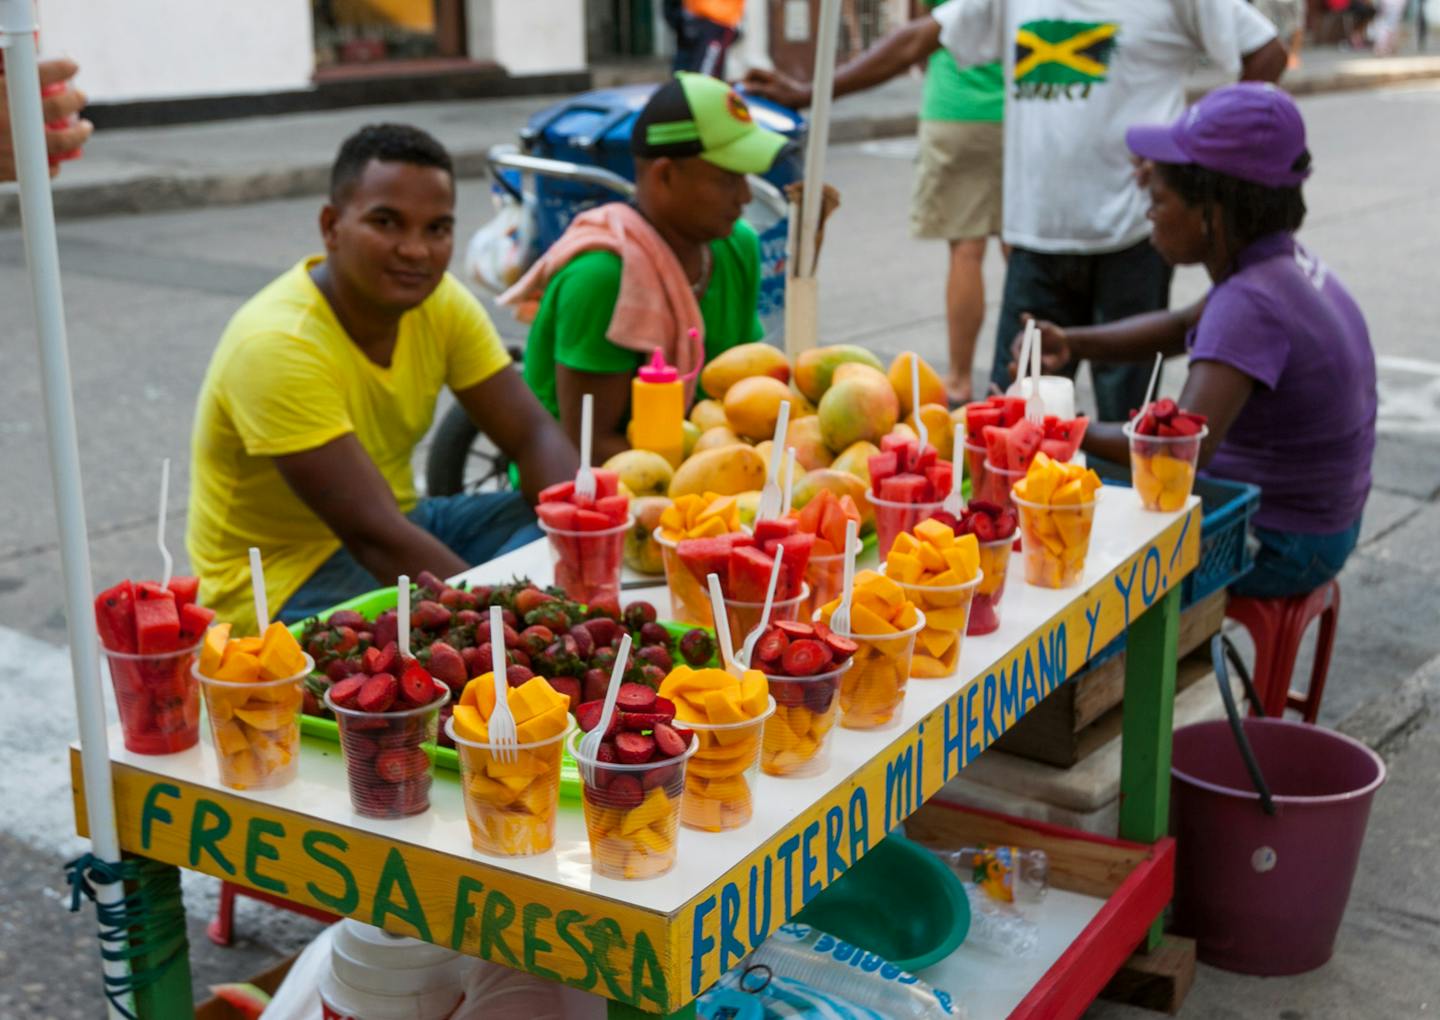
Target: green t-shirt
962, 93
575, 311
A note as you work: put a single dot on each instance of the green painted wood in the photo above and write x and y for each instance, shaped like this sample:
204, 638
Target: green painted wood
621, 1011
1149, 720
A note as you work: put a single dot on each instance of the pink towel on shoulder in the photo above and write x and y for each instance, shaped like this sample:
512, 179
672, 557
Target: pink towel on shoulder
656, 306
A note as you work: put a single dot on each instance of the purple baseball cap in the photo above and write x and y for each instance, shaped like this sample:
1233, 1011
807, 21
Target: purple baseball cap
1249, 130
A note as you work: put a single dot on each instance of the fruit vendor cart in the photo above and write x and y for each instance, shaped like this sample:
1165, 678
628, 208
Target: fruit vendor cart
651, 947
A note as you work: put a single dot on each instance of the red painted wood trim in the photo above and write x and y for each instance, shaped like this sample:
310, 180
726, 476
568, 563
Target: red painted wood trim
1047, 828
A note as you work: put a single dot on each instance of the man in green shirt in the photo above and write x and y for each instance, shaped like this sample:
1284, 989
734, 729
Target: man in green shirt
957, 196
694, 143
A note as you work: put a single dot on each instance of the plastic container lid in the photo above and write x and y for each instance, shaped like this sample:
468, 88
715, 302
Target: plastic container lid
377, 963
658, 371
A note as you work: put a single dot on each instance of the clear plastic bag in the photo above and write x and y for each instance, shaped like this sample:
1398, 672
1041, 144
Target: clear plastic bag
501, 250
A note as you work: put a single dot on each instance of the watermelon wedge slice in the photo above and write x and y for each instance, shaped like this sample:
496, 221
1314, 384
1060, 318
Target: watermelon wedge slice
115, 617
157, 621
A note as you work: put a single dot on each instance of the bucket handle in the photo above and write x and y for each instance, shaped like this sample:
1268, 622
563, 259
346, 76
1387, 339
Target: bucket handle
1222, 649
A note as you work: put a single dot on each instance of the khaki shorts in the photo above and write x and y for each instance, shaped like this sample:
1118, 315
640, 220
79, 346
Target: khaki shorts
958, 180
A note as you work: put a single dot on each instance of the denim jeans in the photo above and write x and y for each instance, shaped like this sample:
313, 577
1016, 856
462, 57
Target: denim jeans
1085, 290
1288, 563
476, 526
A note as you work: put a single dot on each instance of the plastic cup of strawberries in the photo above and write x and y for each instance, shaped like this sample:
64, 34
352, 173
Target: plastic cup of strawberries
803, 663
587, 536
1164, 452
994, 526
634, 785
388, 722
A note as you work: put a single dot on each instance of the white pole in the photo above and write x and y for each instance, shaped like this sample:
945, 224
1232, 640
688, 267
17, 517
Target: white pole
22, 78
827, 37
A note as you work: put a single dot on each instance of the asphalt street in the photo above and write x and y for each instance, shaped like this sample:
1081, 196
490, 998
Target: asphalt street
147, 297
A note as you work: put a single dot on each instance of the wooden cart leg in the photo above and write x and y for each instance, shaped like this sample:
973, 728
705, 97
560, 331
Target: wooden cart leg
620, 1011
1149, 719
170, 996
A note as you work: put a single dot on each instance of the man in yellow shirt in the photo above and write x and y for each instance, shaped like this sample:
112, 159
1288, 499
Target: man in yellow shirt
324, 383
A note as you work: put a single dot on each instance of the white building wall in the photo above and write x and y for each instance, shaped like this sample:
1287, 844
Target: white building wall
156, 49
153, 49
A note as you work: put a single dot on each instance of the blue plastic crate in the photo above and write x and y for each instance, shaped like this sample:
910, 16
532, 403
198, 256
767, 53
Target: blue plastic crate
1224, 552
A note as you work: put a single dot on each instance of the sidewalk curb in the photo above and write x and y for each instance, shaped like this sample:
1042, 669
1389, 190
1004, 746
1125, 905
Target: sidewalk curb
159, 193
1378, 723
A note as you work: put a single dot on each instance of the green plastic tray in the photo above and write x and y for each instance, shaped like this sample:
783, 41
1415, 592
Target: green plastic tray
371, 605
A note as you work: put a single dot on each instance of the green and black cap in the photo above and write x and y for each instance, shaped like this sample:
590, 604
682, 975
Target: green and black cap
697, 115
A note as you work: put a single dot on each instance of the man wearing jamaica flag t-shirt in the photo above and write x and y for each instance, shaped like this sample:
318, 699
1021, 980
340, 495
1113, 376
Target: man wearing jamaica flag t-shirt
1077, 74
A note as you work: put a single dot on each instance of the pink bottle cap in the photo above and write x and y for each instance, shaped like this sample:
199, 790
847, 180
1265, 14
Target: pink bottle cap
657, 371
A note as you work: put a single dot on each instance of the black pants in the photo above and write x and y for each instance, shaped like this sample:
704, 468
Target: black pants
694, 38
1085, 290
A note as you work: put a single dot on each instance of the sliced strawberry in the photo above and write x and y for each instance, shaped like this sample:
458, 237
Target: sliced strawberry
772, 645
635, 698
842, 646
1184, 425
417, 686
587, 716
380, 660
401, 765
566, 685
662, 776
805, 657
661, 712
448, 666
634, 748
346, 691
669, 740
622, 791
379, 693
1163, 409
796, 628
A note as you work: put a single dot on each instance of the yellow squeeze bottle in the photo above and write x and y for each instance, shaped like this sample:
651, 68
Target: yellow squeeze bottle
657, 410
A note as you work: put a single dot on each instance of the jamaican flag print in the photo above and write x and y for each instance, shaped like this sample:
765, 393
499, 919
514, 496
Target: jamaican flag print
1055, 53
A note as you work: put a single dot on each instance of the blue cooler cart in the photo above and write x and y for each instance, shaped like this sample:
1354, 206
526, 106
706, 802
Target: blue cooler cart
593, 130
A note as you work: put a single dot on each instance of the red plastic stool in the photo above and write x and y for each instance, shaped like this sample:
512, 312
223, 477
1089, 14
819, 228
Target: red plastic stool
222, 929
1277, 626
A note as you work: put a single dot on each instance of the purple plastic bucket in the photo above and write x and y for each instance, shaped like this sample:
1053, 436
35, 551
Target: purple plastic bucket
1264, 894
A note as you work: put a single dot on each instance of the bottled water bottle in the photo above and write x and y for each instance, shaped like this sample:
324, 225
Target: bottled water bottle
998, 928
824, 962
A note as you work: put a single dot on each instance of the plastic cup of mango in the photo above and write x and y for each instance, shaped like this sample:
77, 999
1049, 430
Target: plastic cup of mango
745, 616
797, 736
511, 805
872, 689
689, 598
720, 779
892, 518
1056, 541
1162, 468
255, 728
985, 606
632, 812
947, 615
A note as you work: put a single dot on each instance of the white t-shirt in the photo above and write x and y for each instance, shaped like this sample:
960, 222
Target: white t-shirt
1078, 73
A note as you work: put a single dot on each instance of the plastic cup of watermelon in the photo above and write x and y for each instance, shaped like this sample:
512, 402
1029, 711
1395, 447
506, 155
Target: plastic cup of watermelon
892, 518
826, 576
632, 812
587, 563
873, 688
511, 805
158, 698
985, 606
1162, 468
796, 741
976, 457
997, 484
745, 616
689, 597
720, 779
255, 728
389, 756
947, 615
1057, 539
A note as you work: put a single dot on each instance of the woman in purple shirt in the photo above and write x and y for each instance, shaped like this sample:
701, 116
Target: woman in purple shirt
1280, 358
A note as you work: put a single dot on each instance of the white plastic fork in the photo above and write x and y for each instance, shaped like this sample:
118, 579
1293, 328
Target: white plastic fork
503, 737
722, 625
789, 492
1150, 390
840, 619
920, 429
747, 650
402, 613
590, 743
1034, 403
954, 504
585, 477
769, 506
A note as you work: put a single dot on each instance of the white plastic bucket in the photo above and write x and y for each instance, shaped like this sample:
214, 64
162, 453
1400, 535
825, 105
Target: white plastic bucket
378, 976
